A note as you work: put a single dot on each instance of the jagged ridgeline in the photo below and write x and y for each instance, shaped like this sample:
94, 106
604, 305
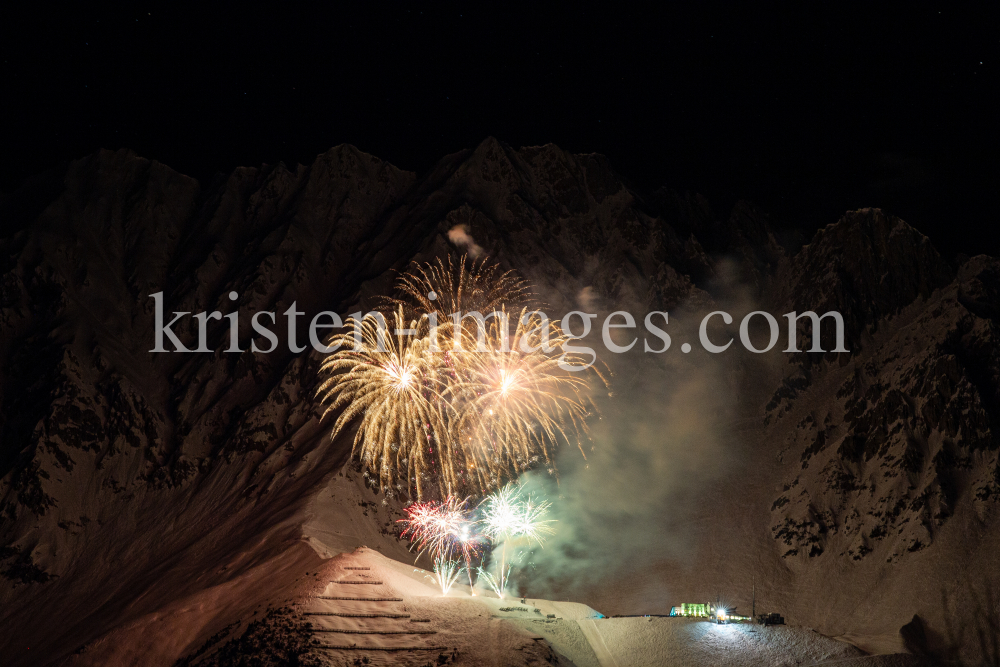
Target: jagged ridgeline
458, 383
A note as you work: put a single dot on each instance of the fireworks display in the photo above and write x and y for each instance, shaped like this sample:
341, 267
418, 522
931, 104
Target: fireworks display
453, 532
511, 520
450, 405
498, 582
385, 378
513, 405
445, 529
507, 516
460, 402
446, 573
448, 287
442, 528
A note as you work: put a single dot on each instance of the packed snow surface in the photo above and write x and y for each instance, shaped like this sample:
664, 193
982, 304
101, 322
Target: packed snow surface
390, 612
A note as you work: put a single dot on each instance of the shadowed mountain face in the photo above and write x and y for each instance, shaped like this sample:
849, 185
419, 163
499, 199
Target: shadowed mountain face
119, 466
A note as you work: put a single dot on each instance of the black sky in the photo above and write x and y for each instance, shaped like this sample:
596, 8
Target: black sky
808, 109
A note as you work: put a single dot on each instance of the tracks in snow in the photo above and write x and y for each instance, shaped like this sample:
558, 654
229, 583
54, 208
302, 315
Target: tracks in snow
352, 620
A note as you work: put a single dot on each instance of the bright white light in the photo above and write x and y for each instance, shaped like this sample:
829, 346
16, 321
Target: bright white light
402, 376
507, 383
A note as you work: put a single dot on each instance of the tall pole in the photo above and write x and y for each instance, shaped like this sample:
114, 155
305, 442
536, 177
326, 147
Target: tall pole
753, 605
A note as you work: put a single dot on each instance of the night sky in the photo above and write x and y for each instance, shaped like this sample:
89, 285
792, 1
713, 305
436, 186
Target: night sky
807, 109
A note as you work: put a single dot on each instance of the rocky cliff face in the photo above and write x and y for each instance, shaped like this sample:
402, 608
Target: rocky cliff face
882, 447
118, 465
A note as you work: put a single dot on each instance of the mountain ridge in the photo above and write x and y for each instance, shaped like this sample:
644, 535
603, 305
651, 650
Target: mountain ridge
102, 440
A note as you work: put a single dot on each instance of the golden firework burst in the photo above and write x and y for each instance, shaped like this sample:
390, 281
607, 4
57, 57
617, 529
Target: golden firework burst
516, 398
389, 380
465, 286
458, 403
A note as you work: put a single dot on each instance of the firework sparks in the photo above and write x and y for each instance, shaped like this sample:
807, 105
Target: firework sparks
462, 403
509, 516
438, 526
512, 520
498, 583
446, 573
444, 528
460, 287
469, 542
513, 405
392, 383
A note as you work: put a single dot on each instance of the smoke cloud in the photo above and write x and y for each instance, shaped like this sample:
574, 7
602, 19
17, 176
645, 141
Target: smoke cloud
629, 504
661, 442
460, 237
586, 299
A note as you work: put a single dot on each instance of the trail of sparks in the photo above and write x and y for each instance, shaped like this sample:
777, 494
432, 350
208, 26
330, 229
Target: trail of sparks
450, 529
508, 515
442, 527
445, 529
446, 573
512, 520
497, 583
515, 405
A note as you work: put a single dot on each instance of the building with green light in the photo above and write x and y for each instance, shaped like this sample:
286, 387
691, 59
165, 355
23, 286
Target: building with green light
692, 609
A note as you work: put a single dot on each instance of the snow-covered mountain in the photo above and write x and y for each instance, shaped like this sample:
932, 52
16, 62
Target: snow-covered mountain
150, 500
